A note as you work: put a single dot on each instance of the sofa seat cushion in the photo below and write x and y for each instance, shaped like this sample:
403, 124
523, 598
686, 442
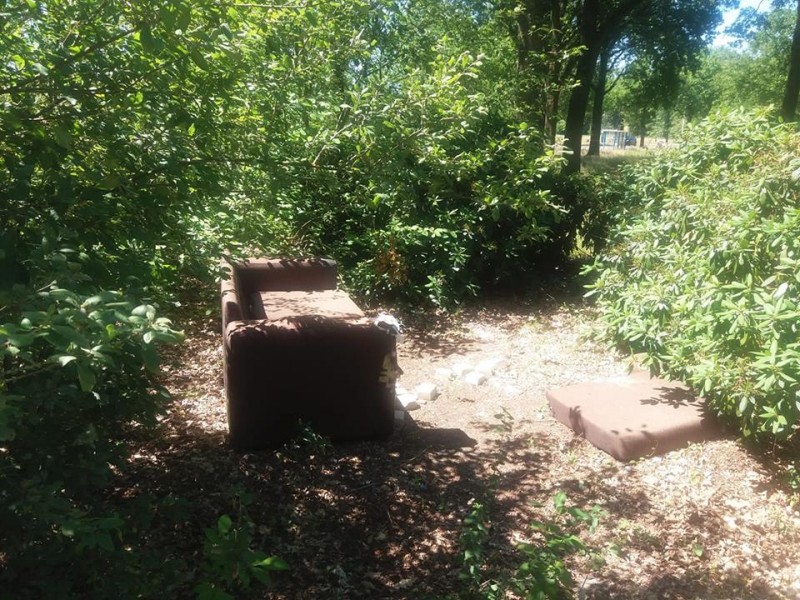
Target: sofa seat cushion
331, 304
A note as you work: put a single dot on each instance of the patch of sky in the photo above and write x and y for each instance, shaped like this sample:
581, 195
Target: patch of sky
729, 17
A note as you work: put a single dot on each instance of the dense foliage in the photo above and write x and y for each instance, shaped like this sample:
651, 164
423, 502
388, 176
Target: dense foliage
702, 276
140, 141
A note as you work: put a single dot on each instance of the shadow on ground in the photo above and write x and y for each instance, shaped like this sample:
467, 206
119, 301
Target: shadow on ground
358, 520
383, 519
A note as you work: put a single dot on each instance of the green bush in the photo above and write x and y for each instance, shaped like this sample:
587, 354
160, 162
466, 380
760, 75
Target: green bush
702, 273
76, 382
434, 190
139, 141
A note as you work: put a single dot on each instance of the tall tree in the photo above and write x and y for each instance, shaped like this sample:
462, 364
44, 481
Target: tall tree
601, 88
789, 105
669, 34
768, 72
546, 54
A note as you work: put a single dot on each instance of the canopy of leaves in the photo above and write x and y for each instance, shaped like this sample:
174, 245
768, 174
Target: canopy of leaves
750, 75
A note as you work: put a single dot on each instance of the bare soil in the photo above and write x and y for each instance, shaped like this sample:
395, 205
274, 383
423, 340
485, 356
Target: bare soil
383, 519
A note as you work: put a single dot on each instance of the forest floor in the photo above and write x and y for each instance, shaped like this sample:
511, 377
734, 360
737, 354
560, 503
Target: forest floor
386, 519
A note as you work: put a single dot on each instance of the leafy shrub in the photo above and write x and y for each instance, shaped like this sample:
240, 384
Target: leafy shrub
231, 562
541, 573
76, 382
432, 191
701, 276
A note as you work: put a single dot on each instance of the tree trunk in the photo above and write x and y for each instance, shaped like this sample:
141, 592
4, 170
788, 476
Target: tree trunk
789, 106
531, 45
536, 30
579, 99
599, 98
551, 116
555, 74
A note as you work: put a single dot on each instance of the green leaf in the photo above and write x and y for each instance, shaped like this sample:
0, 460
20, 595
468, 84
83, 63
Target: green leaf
104, 541
71, 335
100, 298
18, 338
208, 591
62, 359
110, 181
86, 377
147, 40
272, 563
150, 358
199, 59
63, 137
184, 17
224, 524
144, 310
743, 404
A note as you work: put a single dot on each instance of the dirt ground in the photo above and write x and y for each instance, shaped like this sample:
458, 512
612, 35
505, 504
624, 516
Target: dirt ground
384, 519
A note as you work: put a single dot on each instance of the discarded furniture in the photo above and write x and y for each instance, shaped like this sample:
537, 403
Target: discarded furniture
297, 350
633, 416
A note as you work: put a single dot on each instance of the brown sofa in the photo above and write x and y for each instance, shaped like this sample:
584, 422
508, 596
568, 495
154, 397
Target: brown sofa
296, 350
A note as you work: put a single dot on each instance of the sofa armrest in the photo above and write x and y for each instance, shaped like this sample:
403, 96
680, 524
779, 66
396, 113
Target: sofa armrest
229, 297
246, 337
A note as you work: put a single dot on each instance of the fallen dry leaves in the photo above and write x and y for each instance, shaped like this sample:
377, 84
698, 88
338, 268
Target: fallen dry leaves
383, 519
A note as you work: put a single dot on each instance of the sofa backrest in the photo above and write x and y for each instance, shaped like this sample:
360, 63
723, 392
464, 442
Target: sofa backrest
248, 277
285, 275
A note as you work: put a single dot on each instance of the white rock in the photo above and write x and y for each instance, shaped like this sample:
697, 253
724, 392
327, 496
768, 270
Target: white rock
444, 372
408, 401
426, 392
475, 377
490, 365
460, 369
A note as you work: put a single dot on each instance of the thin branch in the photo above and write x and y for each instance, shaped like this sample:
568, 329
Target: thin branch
252, 5
22, 85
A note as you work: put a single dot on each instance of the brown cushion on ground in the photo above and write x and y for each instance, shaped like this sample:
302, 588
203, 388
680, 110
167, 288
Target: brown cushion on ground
634, 416
326, 303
